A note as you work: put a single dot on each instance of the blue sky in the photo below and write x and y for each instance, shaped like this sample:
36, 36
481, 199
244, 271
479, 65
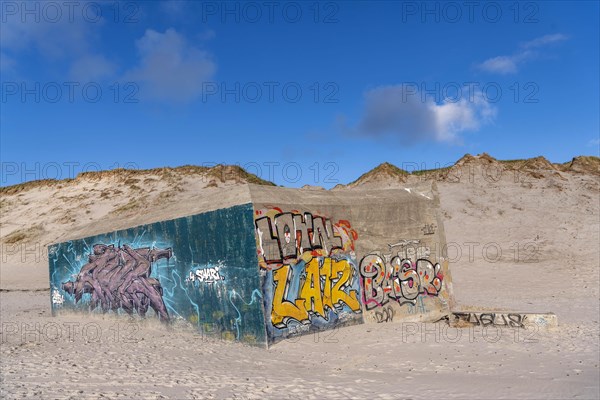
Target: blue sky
297, 92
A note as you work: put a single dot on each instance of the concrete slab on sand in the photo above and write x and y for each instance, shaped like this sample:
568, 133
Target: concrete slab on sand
507, 319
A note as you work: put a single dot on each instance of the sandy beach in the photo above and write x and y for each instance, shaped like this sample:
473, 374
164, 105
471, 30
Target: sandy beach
528, 245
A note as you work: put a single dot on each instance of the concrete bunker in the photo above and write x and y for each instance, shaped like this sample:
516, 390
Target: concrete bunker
259, 264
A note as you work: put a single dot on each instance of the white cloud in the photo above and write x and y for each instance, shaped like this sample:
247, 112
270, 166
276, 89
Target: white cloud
54, 39
527, 51
500, 64
544, 40
170, 67
91, 68
57, 36
397, 111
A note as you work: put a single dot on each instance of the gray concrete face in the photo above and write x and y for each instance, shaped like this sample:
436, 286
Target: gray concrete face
398, 248
503, 319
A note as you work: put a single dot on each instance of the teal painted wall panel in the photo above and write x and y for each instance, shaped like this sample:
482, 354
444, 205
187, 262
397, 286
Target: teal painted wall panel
200, 269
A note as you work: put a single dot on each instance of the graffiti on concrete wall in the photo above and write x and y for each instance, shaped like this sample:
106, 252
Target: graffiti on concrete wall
385, 314
197, 272
57, 298
325, 288
285, 237
208, 275
512, 320
118, 278
400, 277
310, 275
428, 229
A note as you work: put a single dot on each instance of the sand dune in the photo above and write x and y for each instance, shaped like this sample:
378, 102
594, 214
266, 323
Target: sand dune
524, 236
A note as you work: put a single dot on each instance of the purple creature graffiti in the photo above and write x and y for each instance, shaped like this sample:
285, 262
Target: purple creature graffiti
119, 278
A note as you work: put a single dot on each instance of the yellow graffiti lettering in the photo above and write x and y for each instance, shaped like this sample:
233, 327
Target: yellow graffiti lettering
337, 292
326, 273
327, 284
311, 290
283, 309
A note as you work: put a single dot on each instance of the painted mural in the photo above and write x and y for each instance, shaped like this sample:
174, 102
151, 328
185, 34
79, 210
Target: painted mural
119, 279
200, 271
401, 281
310, 277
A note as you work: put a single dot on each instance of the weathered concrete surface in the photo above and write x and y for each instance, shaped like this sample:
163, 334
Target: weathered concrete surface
508, 319
399, 249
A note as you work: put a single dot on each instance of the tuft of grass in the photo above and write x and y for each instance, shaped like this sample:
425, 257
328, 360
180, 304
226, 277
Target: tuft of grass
131, 181
382, 169
224, 173
131, 205
15, 237
22, 234
430, 171
132, 176
212, 183
19, 187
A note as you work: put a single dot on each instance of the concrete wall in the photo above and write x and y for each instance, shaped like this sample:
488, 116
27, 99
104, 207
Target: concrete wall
398, 249
402, 257
199, 270
290, 262
308, 270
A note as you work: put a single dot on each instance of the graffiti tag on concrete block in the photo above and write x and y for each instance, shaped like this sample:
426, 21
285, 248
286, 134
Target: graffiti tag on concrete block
513, 320
309, 270
57, 298
385, 315
205, 275
400, 279
283, 237
324, 289
428, 229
